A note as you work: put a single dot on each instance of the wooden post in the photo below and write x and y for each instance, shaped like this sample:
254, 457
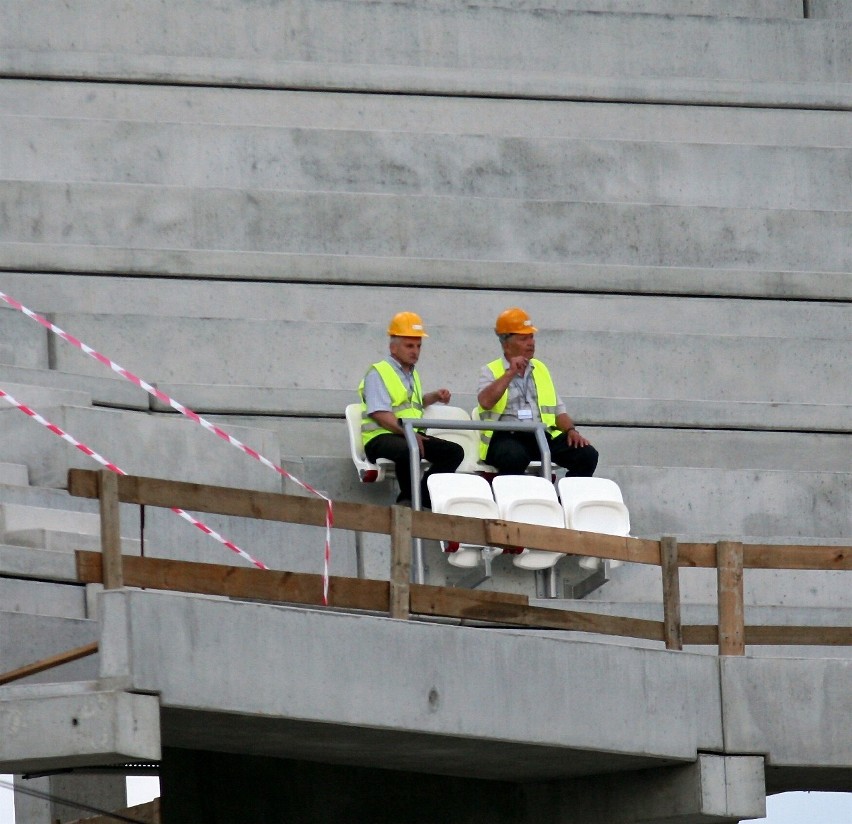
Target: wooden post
729, 566
400, 577
110, 529
671, 593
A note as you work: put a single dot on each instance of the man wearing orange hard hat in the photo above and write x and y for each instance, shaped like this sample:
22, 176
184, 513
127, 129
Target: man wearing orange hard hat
519, 387
390, 391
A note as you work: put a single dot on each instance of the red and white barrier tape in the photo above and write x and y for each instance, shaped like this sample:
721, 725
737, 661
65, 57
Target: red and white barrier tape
113, 468
210, 427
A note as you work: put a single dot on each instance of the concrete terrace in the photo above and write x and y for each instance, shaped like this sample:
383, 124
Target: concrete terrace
231, 199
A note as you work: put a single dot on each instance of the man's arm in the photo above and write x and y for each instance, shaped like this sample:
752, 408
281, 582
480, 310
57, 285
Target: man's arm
438, 396
490, 394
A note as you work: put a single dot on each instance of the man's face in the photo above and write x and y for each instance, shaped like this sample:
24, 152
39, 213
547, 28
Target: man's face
523, 345
406, 350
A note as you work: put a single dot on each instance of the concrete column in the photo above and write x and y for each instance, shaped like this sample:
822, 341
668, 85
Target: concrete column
106, 792
715, 788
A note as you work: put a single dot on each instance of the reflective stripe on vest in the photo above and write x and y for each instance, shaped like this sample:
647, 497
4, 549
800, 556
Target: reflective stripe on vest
403, 405
545, 392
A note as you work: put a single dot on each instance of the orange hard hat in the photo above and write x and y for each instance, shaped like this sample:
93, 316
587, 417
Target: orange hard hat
514, 321
407, 325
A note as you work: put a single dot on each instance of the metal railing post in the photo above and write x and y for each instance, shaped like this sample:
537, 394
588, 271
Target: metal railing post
418, 569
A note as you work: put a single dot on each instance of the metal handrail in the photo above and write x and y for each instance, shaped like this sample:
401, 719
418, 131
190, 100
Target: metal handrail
408, 424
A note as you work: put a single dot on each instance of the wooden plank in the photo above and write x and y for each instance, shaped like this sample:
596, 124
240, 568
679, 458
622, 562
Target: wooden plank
809, 636
110, 528
697, 555
48, 663
729, 560
462, 604
701, 634
239, 582
671, 593
771, 556
400, 574
246, 503
363, 517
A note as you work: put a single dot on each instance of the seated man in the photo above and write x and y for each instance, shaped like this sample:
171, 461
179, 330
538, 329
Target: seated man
518, 387
390, 391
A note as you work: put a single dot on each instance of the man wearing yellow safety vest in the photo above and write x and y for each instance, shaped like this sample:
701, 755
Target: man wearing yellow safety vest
518, 387
391, 391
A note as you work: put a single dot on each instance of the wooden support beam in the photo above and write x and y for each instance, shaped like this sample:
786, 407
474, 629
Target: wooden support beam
456, 603
238, 582
110, 528
671, 593
48, 663
771, 556
729, 562
400, 574
801, 636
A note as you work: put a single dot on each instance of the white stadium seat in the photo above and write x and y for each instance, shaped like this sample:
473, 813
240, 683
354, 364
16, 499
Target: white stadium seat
529, 499
462, 494
594, 505
367, 472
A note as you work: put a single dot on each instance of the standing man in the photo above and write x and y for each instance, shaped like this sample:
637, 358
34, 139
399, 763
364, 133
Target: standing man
518, 387
391, 391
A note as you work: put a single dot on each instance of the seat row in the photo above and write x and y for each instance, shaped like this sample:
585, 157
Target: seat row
586, 504
468, 439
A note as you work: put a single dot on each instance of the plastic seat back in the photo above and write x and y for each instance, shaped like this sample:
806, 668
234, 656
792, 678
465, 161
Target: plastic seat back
467, 439
367, 472
594, 505
529, 499
461, 494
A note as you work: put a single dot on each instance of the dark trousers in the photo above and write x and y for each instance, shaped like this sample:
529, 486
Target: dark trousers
444, 456
511, 452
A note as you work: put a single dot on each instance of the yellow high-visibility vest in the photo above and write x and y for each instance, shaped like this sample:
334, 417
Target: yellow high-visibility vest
403, 404
545, 390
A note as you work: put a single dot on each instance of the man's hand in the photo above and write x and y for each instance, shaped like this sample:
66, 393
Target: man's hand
575, 439
518, 365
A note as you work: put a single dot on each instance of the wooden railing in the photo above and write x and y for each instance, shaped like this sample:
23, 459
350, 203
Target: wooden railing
400, 598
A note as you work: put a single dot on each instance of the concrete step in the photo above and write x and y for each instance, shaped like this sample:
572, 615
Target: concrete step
14, 475
811, 589
830, 10
60, 541
249, 156
58, 387
29, 638
268, 112
40, 564
300, 415
21, 518
687, 502
72, 297
677, 365
173, 219
781, 9
635, 444
47, 599
23, 342
414, 47
41, 397
139, 444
